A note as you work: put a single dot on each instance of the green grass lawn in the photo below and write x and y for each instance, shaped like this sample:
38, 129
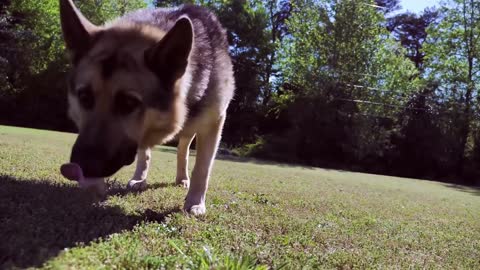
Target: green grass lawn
259, 215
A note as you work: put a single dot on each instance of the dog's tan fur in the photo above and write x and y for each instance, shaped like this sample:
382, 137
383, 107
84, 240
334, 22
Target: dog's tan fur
130, 41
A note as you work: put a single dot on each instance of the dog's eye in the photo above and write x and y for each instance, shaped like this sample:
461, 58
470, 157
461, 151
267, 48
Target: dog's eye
125, 103
85, 97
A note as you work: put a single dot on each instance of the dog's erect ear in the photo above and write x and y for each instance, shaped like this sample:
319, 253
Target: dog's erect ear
169, 57
77, 30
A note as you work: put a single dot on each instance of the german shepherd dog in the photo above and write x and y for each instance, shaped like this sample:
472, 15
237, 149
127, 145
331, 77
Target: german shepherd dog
142, 80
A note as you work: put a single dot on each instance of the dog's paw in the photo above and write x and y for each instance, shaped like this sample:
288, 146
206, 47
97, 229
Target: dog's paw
196, 210
137, 185
185, 183
195, 203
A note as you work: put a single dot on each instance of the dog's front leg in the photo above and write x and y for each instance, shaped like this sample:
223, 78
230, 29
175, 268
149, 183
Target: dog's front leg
183, 150
207, 144
139, 179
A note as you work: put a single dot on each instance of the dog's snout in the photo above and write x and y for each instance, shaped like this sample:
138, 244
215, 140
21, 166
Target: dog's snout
96, 161
90, 158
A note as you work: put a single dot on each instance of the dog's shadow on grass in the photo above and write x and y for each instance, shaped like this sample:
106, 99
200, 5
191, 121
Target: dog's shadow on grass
118, 189
39, 219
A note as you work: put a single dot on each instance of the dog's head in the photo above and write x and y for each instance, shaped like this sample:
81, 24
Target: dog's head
125, 87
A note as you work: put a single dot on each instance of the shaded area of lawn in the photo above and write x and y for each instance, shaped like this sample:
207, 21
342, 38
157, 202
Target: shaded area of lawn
39, 219
467, 189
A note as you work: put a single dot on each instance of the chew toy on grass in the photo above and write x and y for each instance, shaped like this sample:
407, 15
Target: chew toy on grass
73, 171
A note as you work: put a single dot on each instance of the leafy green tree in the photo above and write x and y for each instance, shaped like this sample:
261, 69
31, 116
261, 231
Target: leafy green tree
339, 54
453, 60
344, 41
410, 30
10, 55
42, 19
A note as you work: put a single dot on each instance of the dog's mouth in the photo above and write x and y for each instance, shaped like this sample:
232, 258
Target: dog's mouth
73, 172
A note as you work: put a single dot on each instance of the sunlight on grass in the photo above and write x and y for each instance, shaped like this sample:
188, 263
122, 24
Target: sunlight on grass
259, 217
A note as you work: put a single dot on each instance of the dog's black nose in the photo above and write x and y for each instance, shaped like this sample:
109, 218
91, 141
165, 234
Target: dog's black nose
91, 158
95, 160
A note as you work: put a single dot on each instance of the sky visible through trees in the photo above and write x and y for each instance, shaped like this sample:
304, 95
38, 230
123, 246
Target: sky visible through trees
418, 5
